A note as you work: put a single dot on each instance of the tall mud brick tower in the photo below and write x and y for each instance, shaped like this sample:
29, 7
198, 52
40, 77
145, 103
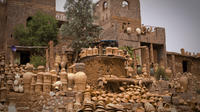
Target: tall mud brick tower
14, 12
120, 19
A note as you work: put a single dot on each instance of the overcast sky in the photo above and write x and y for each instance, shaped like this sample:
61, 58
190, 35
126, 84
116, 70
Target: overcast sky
181, 19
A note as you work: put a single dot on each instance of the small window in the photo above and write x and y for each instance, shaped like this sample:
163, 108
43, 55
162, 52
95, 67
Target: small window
105, 5
124, 4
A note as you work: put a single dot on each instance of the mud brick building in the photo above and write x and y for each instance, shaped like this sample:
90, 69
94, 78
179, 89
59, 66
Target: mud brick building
115, 16
14, 12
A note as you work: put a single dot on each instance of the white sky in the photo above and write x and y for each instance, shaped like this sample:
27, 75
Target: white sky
180, 18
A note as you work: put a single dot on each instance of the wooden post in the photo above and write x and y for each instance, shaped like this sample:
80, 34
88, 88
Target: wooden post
51, 54
47, 59
147, 60
173, 64
151, 53
135, 62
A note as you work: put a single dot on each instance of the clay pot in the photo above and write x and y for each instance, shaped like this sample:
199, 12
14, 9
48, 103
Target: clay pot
80, 80
115, 51
89, 51
54, 76
184, 83
129, 30
95, 51
58, 59
120, 53
109, 51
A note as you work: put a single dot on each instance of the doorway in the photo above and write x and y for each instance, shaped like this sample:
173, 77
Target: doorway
185, 66
24, 57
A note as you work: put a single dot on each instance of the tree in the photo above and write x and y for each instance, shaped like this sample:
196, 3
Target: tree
39, 30
79, 25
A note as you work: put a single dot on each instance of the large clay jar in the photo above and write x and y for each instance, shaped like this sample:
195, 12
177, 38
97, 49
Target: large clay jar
184, 83
80, 81
89, 51
27, 81
109, 51
115, 51
95, 51
183, 51
168, 72
70, 80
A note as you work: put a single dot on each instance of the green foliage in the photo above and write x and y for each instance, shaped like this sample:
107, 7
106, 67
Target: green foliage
198, 91
37, 60
38, 32
161, 73
79, 23
129, 50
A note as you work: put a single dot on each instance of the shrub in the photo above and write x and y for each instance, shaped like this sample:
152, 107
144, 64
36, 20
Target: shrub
37, 60
161, 73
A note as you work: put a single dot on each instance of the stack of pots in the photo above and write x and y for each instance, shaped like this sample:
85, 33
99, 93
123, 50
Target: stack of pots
63, 79
39, 82
54, 77
27, 81
47, 82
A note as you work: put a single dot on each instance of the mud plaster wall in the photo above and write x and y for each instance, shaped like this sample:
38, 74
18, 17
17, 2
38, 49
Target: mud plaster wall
2, 24
17, 12
193, 64
96, 67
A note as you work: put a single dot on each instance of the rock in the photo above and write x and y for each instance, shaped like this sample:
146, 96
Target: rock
140, 109
1, 107
149, 107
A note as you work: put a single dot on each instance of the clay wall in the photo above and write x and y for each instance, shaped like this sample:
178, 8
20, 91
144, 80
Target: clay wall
2, 24
96, 67
192, 63
17, 12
